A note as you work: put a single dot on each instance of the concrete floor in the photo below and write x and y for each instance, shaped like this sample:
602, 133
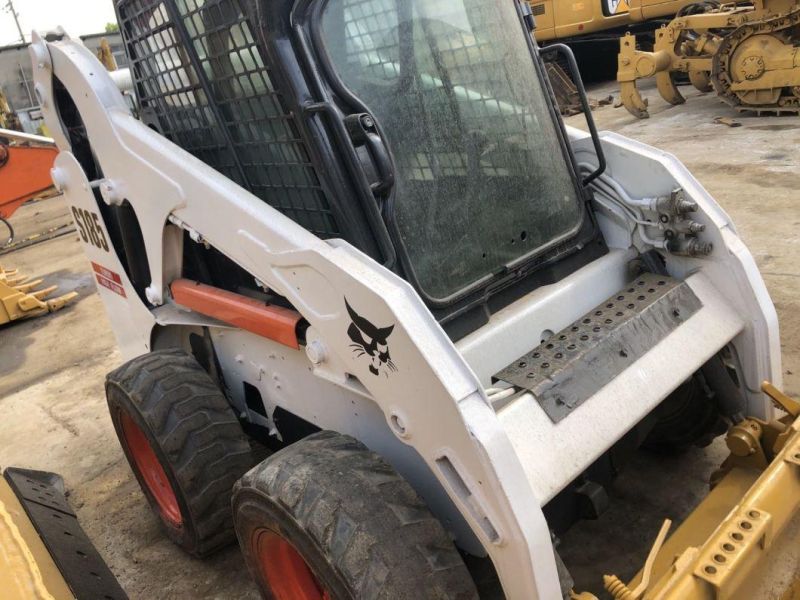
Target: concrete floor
52, 368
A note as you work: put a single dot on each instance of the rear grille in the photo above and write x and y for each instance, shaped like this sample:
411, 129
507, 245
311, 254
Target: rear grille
202, 82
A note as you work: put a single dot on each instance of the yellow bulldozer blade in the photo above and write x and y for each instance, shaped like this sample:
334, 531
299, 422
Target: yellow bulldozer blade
19, 298
725, 547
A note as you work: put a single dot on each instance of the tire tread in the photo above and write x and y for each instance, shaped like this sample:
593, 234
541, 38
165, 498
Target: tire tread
370, 523
196, 429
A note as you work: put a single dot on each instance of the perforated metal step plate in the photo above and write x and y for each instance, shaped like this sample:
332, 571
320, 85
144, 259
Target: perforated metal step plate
569, 367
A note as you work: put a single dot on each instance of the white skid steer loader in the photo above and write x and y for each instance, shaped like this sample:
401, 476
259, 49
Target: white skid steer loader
357, 232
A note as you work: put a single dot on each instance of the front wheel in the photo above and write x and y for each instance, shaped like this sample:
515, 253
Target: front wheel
326, 519
183, 442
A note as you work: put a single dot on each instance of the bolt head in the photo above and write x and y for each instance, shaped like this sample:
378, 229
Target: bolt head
57, 175
316, 352
109, 193
153, 295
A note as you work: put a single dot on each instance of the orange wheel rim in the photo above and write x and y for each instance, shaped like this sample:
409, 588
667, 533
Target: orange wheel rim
150, 470
284, 570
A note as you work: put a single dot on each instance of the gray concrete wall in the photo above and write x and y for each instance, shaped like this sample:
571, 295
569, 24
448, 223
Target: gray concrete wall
16, 77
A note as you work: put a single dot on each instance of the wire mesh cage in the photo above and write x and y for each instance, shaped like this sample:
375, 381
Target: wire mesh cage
201, 81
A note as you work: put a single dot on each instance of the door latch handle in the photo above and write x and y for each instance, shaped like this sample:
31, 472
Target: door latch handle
363, 132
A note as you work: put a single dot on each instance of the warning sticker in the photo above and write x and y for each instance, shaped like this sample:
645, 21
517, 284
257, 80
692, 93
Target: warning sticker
108, 279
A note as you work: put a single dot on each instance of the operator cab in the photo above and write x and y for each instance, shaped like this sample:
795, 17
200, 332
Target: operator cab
423, 132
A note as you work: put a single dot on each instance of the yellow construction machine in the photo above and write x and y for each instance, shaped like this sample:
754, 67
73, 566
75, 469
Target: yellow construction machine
592, 30
603, 19
45, 553
746, 53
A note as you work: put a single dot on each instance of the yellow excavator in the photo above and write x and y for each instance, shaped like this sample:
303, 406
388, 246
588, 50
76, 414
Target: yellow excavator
600, 19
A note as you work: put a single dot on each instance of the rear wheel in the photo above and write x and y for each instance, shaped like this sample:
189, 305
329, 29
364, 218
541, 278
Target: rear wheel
183, 442
326, 519
687, 417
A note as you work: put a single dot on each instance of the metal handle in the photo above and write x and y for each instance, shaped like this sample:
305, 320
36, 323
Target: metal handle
363, 132
565, 50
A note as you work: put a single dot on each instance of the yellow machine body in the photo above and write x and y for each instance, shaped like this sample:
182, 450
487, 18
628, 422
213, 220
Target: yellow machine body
560, 19
747, 54
105, 56
27, 570
746, 525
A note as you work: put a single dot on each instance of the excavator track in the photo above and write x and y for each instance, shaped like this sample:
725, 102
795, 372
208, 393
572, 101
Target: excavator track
722, 72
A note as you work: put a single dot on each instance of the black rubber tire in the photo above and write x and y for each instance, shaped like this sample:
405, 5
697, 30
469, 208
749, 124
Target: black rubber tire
360, 527
686, 418
196, 438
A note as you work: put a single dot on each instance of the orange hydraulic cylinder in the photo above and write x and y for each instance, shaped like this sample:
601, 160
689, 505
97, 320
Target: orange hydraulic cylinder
273, 322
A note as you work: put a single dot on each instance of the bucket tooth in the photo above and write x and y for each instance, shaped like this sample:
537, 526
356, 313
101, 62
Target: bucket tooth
28, 302
58, 303
26, 287
42, 294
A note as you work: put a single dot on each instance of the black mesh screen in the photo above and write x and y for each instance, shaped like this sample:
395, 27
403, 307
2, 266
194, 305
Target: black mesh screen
201, 80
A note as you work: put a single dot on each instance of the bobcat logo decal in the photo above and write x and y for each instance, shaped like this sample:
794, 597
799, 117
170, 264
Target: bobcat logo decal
369, 340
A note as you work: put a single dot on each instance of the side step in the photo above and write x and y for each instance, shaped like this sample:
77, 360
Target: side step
573, 364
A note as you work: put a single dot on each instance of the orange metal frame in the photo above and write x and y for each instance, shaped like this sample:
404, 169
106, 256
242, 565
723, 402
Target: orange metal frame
273, 322
24, 174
